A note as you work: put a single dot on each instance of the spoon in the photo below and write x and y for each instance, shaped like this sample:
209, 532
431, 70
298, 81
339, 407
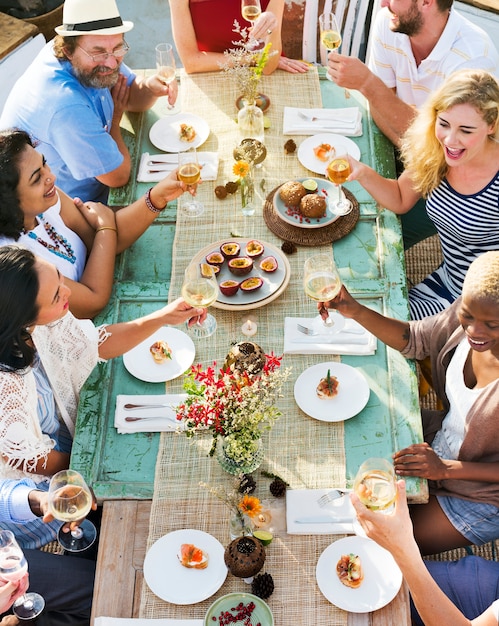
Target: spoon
145, 406
149, 417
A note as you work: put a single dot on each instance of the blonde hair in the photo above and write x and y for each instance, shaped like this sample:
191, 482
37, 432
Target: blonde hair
482, 278
421, 152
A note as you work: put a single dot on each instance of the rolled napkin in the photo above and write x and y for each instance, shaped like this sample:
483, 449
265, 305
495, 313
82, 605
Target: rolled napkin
302, 504
125, 621
154, 167
346, 122
351, 339
162, 419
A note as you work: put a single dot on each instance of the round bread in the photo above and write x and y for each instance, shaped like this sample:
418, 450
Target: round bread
313, 205
292, 192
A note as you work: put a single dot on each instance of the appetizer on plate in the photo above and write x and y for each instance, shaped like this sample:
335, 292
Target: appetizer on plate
327, 387
349, 570
192, 557
324, 151
160, 351
187, 132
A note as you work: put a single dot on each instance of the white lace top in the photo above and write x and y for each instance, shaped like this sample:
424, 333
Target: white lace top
68, 350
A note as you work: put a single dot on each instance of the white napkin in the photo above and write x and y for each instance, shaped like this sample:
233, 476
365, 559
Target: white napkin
150, 172
352, 339
130, 621
164, 417
302, 503
340, 121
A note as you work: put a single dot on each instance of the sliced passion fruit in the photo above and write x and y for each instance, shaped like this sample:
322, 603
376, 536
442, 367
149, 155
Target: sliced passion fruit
215, 258
229, 287
310, 185
240, 265
207, 270
269, 264
254, 249
230, 249
251, 284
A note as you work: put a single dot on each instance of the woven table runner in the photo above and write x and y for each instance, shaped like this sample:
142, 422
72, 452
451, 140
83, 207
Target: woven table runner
305, 452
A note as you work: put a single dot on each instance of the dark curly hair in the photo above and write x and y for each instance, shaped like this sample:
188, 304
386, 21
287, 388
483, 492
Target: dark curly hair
13, 142
19, 286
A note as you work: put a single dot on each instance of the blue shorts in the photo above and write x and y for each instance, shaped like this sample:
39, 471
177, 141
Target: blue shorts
477, 521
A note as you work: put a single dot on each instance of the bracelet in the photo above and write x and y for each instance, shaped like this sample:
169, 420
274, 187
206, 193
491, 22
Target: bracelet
106, 228
150, 204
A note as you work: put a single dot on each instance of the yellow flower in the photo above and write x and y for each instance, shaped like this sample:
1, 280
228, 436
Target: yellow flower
250, 506
241, 168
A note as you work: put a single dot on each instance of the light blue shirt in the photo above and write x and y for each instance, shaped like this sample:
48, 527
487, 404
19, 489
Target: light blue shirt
71, 123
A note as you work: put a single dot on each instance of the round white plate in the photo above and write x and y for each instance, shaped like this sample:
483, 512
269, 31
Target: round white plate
261, 613
165, 133
353, 392
140, 363
177, 584
341, 144
274, 283
324, 188
382, 576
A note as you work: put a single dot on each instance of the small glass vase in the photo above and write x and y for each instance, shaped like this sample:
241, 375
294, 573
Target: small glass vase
250, 121
239, 526
237, 467
247, 187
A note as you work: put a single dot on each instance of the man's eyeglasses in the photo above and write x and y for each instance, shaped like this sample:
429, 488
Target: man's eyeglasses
101, 57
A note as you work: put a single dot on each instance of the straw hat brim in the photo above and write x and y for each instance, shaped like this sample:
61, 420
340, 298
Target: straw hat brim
114, 30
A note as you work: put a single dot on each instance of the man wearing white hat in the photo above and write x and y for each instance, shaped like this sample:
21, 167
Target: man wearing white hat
73, 95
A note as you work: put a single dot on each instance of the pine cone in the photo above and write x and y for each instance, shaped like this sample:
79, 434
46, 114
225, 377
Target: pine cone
262, 586
231, 186
247, 484
288, 247
289, 146
277, 488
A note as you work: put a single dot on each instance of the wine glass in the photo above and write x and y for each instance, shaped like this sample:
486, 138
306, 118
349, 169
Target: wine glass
330, 34
70, 500
165, 65
13, 566
200, 289
322, 282
338, 170
376, 485
189, 172
251, 11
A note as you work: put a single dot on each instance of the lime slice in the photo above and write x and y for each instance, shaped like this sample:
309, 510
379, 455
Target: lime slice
264, 536
266, 122
310, 185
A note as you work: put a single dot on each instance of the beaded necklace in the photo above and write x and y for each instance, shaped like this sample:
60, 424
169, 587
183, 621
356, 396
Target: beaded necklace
58, 240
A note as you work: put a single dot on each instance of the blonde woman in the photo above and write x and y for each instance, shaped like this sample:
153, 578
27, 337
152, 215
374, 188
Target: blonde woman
451, 158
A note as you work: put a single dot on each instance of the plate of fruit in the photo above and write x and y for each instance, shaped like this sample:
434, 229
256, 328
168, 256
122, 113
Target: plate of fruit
250, 273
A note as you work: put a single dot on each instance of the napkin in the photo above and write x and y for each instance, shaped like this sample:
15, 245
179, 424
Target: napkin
153, 172
302, 503
352, 339
340, 121
130, 621
164, 417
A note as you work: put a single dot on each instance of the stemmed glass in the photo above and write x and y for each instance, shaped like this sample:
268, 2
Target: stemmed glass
338, 170
251, 11
70, 500
322, 282
200, 289
165, 65
13, 566
189, 172
376, 485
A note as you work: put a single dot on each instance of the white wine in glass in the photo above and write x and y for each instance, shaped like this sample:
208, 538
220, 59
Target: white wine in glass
321, 282
375, 484
165, 65
189, 172
251, 11
200, 289
338, 170
330, 32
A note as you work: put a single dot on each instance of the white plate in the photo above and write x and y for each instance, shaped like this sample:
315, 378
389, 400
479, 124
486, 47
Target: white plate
165, 133
352, 397
140, 363
324, 188
341, 144
382, 576
274, 283
177, 584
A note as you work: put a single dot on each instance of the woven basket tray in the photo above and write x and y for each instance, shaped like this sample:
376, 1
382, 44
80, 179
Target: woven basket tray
310, 236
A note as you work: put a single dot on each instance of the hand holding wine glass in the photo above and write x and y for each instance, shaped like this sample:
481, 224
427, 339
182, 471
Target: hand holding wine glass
321, 282
189, 172
376, 485
200, 289
251, 11
338, 170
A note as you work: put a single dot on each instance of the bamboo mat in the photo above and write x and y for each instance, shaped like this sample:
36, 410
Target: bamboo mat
304, 452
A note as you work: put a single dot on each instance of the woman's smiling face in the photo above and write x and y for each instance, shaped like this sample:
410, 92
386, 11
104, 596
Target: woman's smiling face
36, 190
480, 319
462, 133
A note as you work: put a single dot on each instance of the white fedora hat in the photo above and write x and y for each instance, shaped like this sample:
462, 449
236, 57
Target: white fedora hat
92, 17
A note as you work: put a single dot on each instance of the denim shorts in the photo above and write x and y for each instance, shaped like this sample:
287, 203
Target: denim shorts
477, 521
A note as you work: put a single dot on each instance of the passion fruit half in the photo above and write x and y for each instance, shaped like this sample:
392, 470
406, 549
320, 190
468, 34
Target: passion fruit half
229, 287
240, 265
251, 284
230, 249
254, 249
207, 270
215, 258
269, 264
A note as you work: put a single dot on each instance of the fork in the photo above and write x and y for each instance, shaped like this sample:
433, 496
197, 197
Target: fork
328, 497
310, 331
309, 118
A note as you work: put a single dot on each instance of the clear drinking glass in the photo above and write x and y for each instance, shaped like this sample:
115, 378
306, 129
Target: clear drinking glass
322, 282
251, 11
70, 500
200, 289
376, 484
165, 65
338, 170
189, 172
13, 566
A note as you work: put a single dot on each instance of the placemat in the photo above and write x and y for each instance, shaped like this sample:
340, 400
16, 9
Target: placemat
310, 236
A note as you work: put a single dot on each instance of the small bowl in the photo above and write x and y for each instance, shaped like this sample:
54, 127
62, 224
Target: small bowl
262, 102
261, 612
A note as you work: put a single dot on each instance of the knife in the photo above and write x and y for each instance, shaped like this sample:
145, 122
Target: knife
339, 338
323, 519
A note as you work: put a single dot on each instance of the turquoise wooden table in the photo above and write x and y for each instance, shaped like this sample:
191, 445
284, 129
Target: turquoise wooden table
372, 265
